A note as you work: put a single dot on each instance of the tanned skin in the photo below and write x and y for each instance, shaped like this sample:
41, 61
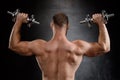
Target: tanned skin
59, 58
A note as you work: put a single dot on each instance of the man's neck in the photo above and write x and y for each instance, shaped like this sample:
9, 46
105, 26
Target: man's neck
59, 34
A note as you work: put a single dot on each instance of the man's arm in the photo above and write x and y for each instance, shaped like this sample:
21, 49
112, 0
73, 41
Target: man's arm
103, 44
15, 43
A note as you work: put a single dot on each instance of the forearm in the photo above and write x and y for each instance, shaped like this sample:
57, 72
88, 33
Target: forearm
15, 35
104, 39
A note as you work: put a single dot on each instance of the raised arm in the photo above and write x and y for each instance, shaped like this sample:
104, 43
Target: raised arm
15, 43
103, 44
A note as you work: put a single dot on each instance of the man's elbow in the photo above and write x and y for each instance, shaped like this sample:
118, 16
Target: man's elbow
11, 47
106, 49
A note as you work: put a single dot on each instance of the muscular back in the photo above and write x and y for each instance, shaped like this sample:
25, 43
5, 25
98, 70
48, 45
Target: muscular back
58, 60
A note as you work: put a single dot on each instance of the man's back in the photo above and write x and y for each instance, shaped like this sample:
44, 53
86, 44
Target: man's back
59, 60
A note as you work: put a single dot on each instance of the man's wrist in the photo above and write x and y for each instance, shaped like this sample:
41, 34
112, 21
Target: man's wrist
18, 22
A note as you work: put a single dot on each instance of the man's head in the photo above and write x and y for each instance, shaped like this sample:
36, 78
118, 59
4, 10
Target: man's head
60, 19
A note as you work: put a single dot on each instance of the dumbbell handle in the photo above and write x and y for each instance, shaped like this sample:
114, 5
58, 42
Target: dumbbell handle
90, 19
30, 20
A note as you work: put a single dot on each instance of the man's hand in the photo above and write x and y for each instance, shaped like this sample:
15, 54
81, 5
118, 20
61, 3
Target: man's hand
22, 17
98, 18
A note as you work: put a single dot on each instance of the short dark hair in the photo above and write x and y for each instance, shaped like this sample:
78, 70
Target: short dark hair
60, 19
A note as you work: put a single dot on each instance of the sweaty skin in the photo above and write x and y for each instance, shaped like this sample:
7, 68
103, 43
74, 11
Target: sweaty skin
59, 58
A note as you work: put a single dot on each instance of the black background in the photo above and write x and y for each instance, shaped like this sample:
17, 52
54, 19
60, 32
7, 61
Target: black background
16, 67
